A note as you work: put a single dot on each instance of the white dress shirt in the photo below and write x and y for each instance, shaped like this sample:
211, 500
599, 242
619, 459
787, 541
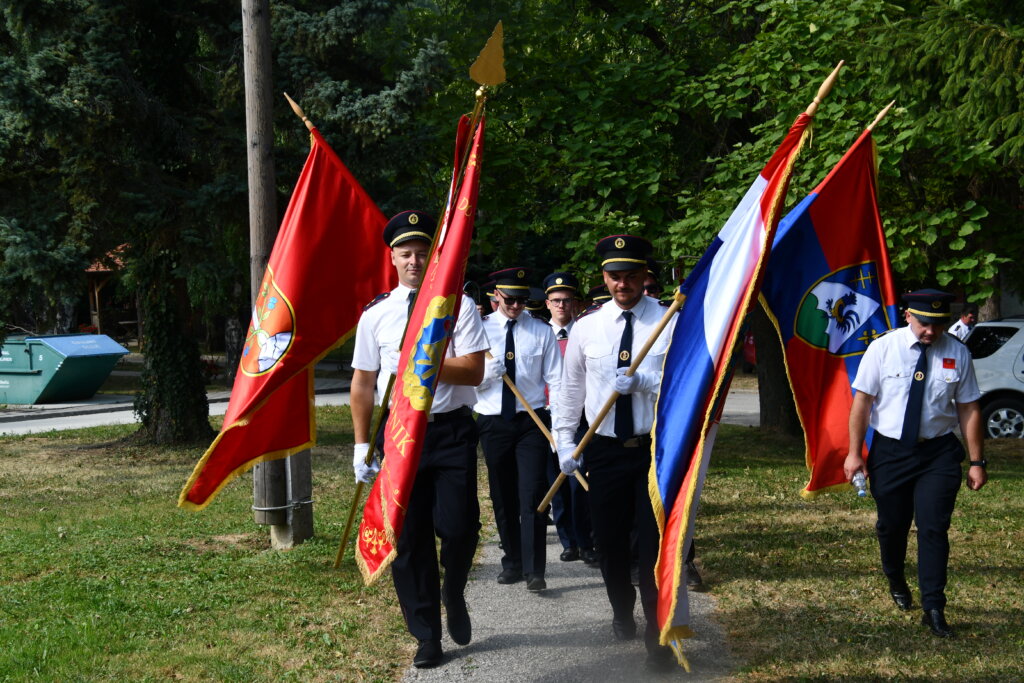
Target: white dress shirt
379, 345
591, 360
886, 372
959, 329
538, 362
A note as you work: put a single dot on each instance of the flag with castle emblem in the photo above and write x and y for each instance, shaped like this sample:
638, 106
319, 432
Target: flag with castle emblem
299, 315
829, 291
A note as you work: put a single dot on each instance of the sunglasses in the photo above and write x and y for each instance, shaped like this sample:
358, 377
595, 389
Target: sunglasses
513, 300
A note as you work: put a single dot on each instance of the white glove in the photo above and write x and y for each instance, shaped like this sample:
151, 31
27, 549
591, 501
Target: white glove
566, 462
494, 369
626, 384
364, 473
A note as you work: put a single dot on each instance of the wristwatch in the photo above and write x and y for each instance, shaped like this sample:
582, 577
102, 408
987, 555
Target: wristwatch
979, 463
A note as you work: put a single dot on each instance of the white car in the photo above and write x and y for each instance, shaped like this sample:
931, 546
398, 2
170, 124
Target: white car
998, 350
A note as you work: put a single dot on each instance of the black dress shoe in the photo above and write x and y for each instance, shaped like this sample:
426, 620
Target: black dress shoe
510, 576
625, 628
936, 621
460, 628
536, 583
570, 554
428, 654
590, 557
693, 579
660, 659
900, 592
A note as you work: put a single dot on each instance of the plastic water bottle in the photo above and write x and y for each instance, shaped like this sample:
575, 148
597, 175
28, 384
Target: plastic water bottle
860, 484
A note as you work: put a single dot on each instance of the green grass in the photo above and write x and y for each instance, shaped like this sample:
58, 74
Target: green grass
104, 578
799, 586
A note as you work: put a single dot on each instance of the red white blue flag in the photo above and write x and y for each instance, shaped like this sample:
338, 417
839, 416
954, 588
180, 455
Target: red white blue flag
829, 291
430, 328
718, 293
299, 315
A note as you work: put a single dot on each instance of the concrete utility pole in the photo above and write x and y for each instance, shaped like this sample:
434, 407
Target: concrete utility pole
282, 489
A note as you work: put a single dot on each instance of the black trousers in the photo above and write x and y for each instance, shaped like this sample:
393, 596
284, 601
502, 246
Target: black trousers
443, 502
917, 484
516, 453
618, 500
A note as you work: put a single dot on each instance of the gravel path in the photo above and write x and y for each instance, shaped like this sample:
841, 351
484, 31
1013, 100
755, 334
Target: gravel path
563, 633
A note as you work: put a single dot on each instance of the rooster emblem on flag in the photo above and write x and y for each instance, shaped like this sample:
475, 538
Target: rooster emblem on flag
842, 312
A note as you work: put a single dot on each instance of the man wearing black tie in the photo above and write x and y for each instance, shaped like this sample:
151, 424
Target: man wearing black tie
515, 449
599, 352
914, 385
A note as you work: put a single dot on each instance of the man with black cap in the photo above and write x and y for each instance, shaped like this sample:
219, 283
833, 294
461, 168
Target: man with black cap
515, 449
444, 496
618, 459
570, 507
914, 386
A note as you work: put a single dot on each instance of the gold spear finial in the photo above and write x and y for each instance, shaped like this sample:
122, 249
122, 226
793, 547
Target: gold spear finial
823, 90
298, 111
489, 67
881, 115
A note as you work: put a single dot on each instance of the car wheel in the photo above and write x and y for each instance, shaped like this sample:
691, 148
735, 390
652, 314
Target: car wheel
1004, 419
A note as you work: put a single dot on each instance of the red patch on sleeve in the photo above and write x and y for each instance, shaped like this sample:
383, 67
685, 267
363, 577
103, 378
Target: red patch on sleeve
949, 363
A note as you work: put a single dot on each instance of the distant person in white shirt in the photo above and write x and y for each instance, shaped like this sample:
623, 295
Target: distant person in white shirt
965, 324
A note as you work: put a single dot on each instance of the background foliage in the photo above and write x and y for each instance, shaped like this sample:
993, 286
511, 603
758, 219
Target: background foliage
123, 123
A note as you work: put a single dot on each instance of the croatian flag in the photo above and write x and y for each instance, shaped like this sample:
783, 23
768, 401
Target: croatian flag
829, 291
718, 294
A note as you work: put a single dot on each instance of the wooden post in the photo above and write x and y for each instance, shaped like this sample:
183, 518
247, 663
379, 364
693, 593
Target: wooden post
274, 480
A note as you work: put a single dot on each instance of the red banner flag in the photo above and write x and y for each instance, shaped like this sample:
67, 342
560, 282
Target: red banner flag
423, 349
829, 291
307, 305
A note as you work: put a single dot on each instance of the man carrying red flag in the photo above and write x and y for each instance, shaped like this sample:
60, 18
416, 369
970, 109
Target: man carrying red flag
443, 500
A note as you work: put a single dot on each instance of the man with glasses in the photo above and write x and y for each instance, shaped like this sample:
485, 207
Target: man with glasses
515, 450
570, 507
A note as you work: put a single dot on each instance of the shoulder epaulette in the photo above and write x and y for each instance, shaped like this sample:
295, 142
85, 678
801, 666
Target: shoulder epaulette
538, 316
376, 300
665, 303
485, 317
589, 309
955, 338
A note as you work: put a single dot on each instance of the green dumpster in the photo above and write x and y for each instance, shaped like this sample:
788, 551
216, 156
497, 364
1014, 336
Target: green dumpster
55, 368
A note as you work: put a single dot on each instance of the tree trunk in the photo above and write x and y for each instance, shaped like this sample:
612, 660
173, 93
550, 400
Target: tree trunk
778, 412
172, 406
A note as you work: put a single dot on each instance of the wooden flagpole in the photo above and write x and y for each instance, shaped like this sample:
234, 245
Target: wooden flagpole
536, 418
610, 403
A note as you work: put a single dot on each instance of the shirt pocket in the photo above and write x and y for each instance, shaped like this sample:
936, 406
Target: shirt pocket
944, 383
601, 361
529, 357
897, 380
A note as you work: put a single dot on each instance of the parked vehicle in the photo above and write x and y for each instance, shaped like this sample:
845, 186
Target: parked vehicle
998, 350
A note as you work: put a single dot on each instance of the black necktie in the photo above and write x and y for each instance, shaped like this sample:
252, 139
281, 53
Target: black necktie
508, 399
412, 300
562, 334
624, 404
912, 418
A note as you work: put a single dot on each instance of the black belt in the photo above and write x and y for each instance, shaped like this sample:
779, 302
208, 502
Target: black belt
920, 439
638, 441
458, 413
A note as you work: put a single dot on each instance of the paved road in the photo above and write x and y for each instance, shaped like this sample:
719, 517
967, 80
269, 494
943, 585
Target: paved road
562, 634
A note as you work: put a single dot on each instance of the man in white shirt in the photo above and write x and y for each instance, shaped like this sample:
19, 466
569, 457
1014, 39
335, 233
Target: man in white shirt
570, 507
915, 384
968, 316
444, 496
515, 449
618, 459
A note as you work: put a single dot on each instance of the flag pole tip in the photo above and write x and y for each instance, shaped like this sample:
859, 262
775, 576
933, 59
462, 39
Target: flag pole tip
298, 111
824, 90
489, 67
881, 115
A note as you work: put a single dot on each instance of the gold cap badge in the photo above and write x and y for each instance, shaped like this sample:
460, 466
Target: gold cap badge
620, 243
413, 219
